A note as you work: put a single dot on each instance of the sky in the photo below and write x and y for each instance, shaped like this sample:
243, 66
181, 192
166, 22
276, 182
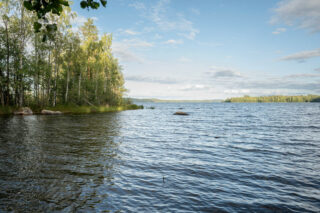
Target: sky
213, 49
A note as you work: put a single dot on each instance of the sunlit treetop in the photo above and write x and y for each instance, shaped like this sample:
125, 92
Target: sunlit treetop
43, 7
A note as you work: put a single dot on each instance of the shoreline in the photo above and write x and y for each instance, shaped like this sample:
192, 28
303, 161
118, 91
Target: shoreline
72, 109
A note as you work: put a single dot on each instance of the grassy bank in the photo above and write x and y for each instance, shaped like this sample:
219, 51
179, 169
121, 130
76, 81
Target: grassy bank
7, 110
74, 109
93, 109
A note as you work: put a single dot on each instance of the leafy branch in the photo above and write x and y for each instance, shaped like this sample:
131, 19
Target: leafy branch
43, 7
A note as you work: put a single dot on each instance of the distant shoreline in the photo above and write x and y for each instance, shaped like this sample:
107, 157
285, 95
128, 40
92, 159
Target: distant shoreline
275, 99
155, 100
244, 99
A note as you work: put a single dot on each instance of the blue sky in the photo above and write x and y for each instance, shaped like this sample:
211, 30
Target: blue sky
213, 49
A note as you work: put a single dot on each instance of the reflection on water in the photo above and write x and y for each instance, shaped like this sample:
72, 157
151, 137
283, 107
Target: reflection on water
223, 157
57, 162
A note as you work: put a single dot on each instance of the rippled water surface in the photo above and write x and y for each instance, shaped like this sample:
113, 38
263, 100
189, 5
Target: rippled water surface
222, 157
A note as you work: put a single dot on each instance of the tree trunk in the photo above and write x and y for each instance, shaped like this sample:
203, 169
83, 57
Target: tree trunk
49, 80
67, 86
7, 99
96, 90
20, 73
2, 96
79, 87
38, 83
68, 76
42, 91
15, 88
55, 81
36, 77
1, 88
55, 87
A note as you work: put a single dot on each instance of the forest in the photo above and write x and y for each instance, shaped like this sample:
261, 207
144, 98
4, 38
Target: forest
75, 66
275, 98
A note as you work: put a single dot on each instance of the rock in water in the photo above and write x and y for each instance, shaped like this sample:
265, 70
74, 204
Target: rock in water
180, 113
23, 111
50, 112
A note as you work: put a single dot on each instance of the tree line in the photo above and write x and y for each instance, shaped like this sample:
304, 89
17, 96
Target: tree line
275, 98
73, 67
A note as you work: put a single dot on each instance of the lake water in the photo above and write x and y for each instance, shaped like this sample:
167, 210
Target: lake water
223, 157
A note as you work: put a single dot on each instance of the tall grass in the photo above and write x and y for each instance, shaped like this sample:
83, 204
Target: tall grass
4, 110
74, 109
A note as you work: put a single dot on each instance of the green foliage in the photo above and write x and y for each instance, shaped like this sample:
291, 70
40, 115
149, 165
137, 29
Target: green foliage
92, 4
70, 69
56, 7
37, 26
6, 110
42, 8
134, 106
263, 99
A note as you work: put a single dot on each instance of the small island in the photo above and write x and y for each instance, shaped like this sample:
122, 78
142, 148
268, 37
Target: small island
274, 98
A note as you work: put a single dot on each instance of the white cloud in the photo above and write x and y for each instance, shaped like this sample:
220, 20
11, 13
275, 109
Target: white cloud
286, 85
195, 11
211, 44
303, 13
159, 80
237, 91
136, 43
184, 59
164, 18
157, 36
131, 32
127, 49
138, 5
194, 87
172, 41
280, 83
172, 21
223, 72
302, 56
222, 88
302, 76
125, 54
317, 69
279, 30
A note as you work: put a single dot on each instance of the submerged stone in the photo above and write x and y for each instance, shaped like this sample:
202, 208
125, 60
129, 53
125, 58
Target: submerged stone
50, 112
23, 111
180, 113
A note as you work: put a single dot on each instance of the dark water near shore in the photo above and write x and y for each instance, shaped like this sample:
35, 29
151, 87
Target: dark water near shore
223, 157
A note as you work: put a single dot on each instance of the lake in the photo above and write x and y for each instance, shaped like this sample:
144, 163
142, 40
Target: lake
223, 157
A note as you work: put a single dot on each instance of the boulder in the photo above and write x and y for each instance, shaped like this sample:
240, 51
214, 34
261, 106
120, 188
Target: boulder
50, 112
180, 113
23, 111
